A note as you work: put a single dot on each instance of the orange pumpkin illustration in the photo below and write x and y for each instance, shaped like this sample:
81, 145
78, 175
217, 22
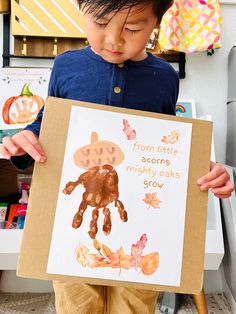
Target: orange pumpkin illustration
23, 108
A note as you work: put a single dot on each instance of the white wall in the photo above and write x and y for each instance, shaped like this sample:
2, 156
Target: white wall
206, 82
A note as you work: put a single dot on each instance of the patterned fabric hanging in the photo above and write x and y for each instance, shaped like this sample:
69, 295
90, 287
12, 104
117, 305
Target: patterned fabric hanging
191, 25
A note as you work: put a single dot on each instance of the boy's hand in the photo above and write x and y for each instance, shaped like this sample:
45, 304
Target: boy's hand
218, 180
22, 143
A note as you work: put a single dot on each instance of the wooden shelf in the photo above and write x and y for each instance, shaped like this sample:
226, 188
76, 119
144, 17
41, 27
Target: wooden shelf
46, 47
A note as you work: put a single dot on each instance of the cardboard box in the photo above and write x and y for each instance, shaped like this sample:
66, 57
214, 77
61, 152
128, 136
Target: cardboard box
150, 232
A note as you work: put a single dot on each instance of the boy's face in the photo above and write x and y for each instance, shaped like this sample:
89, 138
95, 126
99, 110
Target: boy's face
121, 36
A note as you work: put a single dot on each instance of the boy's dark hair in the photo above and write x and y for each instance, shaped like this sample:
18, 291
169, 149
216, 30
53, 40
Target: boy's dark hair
100, 8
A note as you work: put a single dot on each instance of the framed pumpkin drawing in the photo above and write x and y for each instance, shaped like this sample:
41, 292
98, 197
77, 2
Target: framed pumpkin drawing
120, 200
23, 93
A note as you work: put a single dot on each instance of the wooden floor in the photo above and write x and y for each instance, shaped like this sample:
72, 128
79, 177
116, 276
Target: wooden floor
43, 303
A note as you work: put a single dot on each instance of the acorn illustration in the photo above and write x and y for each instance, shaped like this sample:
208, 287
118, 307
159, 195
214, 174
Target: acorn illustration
23, 108
98, 153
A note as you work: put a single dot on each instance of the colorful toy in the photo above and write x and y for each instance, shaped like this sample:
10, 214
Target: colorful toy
24, 193
22, 213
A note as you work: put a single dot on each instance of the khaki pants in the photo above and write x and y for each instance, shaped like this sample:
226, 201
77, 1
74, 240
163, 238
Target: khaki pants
78, 298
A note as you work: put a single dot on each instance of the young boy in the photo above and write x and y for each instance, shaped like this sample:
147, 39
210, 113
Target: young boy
114, 70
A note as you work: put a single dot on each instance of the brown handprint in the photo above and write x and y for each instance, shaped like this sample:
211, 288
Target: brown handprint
100, 183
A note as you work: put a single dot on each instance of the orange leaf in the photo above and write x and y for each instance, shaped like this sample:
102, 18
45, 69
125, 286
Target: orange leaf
116, 257
152, 200
120, 251
149, 263
126, 261
115, 260
119, 260
172, 138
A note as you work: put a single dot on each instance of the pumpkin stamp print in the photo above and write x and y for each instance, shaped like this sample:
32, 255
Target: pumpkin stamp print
23, 108
100, 182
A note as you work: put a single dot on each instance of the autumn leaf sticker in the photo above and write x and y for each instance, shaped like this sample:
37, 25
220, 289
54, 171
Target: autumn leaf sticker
137, 250
172, 138
105, 257
130, 133
152, 200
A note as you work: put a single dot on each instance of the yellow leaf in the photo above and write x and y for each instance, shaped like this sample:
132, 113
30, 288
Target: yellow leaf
97, 244
82, 255
106, 250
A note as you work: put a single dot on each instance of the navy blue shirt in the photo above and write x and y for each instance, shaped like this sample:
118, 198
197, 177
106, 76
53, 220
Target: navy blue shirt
151, 84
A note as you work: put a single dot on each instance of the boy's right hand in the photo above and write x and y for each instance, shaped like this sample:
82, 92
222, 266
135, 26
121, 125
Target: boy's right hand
24, 142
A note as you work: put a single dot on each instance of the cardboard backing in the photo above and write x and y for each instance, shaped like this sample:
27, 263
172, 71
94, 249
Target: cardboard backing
35, 246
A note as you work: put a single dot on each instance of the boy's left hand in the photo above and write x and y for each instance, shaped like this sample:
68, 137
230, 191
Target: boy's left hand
218, 180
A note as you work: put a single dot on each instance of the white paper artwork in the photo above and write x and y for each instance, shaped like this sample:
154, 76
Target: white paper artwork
129, 208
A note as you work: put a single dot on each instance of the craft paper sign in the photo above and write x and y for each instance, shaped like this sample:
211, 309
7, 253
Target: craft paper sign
122, 205
23, 93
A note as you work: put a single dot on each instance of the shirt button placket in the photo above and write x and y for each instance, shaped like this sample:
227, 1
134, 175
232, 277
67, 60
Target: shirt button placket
117, 90
120, 65
117, 87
